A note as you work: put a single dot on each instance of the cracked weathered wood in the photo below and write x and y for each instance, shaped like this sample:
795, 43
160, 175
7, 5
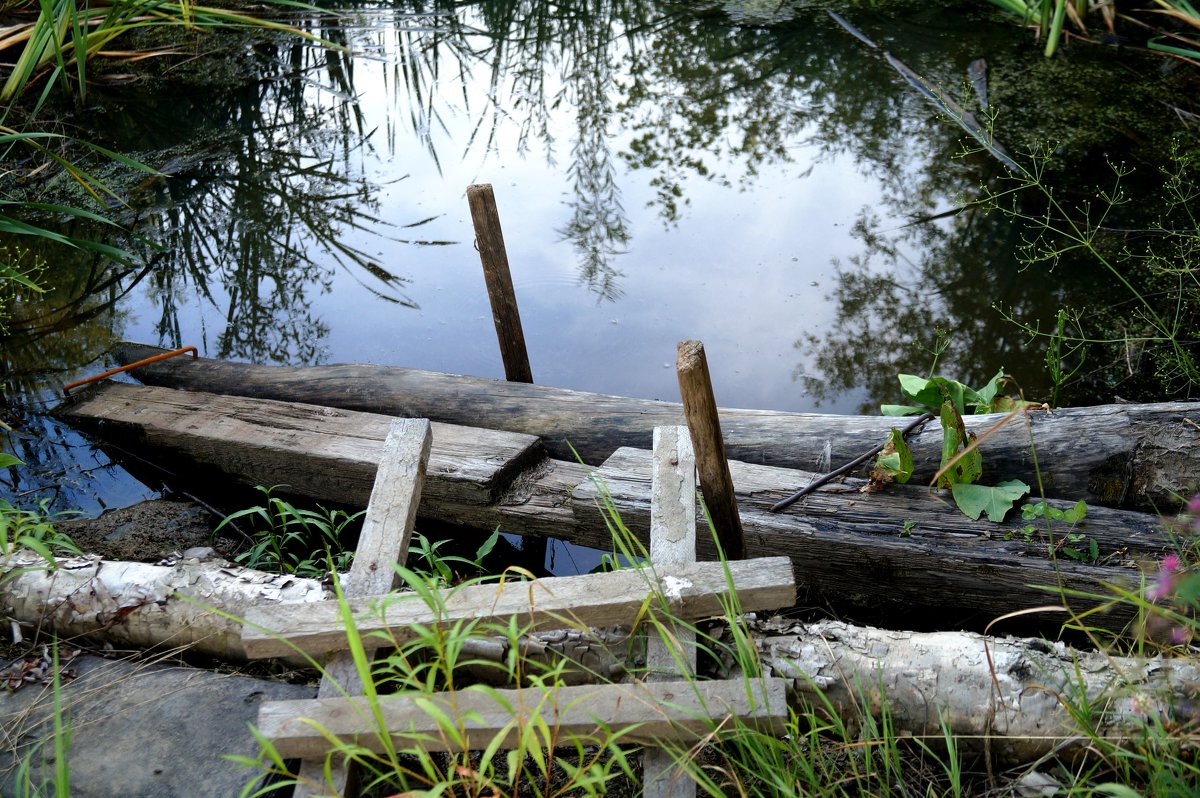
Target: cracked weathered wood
382, 544
904, 547
333, 453
1135, 456
704, 426
689, 592
671, 652
659, 711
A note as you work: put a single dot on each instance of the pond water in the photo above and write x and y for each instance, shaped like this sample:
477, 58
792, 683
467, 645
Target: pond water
663, 172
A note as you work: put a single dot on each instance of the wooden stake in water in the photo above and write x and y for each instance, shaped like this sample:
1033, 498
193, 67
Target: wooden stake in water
700, 410
489, 240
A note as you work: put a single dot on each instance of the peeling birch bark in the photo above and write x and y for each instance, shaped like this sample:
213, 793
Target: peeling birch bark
924, 676
141, 605
1011, 707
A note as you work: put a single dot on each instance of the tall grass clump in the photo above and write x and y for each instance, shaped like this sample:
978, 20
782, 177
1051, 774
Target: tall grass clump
1050, 19
49, 45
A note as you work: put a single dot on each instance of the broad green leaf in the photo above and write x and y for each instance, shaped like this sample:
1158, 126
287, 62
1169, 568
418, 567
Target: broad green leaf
895, 463
1076, 513
954, 391
954, 433
911, 384
987, 394
975, 500
920, 390
8, 461
900, 410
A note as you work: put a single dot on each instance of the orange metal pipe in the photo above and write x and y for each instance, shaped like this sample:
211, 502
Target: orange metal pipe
72, 385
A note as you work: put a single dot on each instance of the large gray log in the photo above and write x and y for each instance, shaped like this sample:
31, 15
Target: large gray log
1132, 456
902, 548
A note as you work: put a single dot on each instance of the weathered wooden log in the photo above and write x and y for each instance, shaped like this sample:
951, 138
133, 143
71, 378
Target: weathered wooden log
1012, 702
905, 547
1131, 456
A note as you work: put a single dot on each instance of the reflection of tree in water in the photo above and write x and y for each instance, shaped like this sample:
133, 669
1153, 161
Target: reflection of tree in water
265, 221
538, 58
889, 310
255, 223
722, 94
598, 227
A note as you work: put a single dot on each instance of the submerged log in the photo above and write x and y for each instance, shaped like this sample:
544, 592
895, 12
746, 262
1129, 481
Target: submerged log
1011, 702
903, 548
1131, 456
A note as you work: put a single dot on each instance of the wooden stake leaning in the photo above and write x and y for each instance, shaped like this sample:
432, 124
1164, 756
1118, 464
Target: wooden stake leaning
489, 239
700, 409
384, 541
672, 544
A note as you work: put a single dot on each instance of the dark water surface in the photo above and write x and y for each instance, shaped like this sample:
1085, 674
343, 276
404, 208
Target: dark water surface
663, 172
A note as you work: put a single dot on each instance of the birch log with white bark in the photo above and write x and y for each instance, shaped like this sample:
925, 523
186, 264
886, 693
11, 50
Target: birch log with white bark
1013, 703
142, 605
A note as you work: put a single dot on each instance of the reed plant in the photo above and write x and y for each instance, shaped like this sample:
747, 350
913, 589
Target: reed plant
50, 45
1050, 17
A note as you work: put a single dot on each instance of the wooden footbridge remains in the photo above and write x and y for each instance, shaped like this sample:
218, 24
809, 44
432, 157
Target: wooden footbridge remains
666, 705
904, 548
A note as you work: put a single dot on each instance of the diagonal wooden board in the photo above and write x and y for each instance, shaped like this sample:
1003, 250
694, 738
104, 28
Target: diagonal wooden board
649, 711
383, 542
334, 453
691, 592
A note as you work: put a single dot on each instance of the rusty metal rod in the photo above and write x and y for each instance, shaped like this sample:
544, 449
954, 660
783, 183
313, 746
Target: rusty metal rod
72, 385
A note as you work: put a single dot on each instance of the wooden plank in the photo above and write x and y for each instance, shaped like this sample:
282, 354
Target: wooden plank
386, 532
1142, 456
690, 592
660, 711
258, 442
672, 545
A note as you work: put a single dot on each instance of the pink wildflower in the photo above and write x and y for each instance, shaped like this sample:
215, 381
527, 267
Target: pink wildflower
1165, 583
1193, 505
1179, 635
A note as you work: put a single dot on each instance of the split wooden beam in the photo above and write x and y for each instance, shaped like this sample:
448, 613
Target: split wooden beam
383, 542
689, 592
671, 652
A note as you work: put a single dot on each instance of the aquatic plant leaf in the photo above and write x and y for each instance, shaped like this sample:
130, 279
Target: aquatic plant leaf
974, 500
967, 468
900, 410
896, 458
920, 390
8, 461
987, 394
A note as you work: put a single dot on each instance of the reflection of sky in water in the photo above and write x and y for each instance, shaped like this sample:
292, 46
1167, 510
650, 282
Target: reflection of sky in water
746, 269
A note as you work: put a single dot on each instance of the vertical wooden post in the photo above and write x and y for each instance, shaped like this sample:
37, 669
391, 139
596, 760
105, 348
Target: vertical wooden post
386, 532
489, 240
700, 410
672, 543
